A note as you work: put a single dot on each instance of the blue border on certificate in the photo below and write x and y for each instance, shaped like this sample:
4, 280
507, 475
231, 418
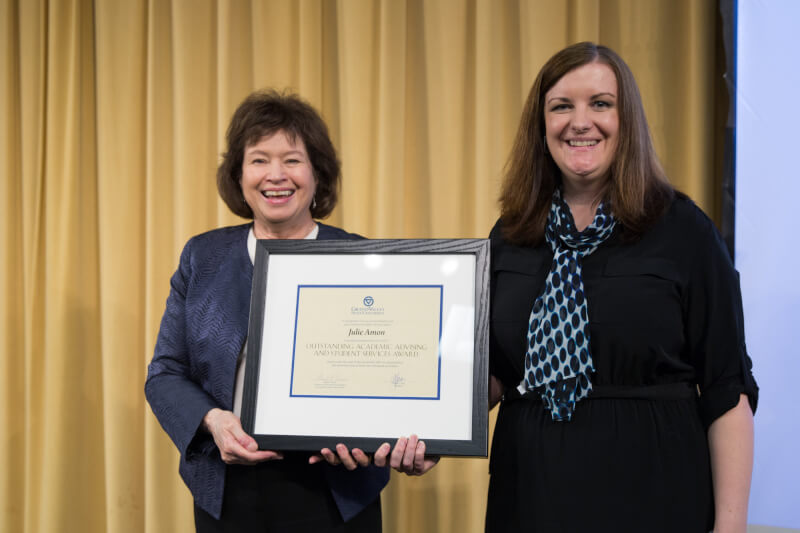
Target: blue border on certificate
439, 350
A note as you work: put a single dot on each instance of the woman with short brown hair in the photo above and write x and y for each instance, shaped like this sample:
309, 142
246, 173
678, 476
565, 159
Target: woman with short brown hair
280, 169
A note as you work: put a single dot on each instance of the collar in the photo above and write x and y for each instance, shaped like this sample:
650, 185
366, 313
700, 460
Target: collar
251, 241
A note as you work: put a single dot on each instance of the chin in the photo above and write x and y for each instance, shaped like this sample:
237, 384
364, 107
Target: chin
584, 175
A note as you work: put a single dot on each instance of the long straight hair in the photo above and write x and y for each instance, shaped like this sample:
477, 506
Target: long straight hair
638, 191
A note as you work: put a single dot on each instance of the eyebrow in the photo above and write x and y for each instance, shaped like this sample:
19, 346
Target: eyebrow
282, 154
598, 95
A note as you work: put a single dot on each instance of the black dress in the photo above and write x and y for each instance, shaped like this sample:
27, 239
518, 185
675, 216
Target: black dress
666, 322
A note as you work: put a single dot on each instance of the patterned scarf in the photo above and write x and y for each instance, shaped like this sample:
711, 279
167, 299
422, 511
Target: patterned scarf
558, 361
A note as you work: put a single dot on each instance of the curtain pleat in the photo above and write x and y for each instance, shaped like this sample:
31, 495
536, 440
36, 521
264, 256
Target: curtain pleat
120, 53
167, 502
12, 303
113, 123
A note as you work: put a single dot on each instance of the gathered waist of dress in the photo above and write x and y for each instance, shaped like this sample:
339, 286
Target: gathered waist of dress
663, 391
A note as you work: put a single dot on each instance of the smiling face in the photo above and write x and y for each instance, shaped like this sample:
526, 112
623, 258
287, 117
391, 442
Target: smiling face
278, 184
582, 126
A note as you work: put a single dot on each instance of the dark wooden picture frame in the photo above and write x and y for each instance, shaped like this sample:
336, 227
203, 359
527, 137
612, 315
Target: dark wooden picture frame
314, 250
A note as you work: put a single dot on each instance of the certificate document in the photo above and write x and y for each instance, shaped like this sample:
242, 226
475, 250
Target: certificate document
367, 341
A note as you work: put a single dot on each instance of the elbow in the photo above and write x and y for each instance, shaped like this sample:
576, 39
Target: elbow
496, 391
148, 384
155, 375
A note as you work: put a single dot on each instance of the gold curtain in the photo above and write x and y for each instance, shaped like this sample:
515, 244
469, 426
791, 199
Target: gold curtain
112, 124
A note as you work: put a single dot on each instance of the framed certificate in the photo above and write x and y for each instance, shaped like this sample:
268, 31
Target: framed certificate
362, 342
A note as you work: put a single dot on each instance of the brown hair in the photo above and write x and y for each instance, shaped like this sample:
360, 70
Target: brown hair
638, 190
262, 114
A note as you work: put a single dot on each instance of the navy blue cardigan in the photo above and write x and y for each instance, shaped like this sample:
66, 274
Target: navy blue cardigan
193, 369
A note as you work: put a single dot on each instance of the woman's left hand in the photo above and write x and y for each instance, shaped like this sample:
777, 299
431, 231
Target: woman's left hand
344, 457
408, 456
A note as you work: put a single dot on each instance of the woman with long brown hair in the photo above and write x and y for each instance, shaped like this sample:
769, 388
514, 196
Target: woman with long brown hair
616, 326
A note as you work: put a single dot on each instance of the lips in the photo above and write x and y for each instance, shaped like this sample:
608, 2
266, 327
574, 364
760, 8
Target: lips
277, 194
278, 197
581, 143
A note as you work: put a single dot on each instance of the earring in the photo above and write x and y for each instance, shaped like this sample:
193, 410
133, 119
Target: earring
314, 202
544, 138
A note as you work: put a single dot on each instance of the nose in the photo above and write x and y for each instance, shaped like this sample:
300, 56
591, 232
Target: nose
581, 122
275, 172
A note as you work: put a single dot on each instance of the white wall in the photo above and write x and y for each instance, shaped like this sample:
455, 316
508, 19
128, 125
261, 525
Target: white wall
768, 245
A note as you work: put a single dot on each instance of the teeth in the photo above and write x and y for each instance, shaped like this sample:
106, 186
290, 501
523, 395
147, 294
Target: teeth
582, 143
269, 194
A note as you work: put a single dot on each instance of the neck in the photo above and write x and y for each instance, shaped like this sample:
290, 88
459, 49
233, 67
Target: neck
279, 231
583, 202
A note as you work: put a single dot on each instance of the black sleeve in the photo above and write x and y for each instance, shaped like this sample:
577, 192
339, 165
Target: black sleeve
715, 326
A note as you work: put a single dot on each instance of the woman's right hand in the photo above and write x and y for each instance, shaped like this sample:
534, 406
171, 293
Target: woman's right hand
235, 446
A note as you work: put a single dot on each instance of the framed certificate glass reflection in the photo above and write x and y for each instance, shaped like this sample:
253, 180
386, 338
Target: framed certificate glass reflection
362, 342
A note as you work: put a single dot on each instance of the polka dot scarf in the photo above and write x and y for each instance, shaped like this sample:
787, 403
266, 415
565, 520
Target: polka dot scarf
559, 361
